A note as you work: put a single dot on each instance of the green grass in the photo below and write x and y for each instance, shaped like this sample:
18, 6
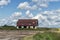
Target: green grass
47, 36
7, 28
28, 37
14, 28
44, 36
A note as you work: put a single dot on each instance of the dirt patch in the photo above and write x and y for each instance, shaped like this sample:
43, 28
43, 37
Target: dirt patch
15, 34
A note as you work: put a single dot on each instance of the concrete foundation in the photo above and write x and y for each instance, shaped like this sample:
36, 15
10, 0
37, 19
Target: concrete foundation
17, 27
30, 27
27, 27
22, 26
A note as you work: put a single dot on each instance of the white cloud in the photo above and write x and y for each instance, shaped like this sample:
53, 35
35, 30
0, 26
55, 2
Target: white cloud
48, 18
29, 14
39, 16
2, 22
12, 20
37, 4
42, 19
34, 7
26, 6
23, 5
43, 3
17, 14
44, 0
35, 0
54, 0
4, 2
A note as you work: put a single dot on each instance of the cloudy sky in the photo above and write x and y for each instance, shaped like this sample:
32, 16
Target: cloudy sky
46, 11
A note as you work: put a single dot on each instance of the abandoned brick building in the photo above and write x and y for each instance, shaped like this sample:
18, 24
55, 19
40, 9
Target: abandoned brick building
27, 23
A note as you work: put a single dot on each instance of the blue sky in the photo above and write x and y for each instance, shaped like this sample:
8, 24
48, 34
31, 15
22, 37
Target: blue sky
36, 9
12, 7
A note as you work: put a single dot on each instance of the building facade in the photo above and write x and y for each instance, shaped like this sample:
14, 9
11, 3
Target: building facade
27, 23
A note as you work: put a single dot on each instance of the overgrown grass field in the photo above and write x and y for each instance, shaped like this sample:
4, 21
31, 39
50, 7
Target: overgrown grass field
44, 36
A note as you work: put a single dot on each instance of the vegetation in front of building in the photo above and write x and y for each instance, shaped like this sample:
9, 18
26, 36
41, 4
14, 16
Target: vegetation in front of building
6, 27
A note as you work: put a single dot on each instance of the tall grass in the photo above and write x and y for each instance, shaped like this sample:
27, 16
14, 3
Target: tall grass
47, 36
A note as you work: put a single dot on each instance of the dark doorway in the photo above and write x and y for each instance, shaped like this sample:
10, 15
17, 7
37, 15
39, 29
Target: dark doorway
33, 26
19, 26
25, 27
